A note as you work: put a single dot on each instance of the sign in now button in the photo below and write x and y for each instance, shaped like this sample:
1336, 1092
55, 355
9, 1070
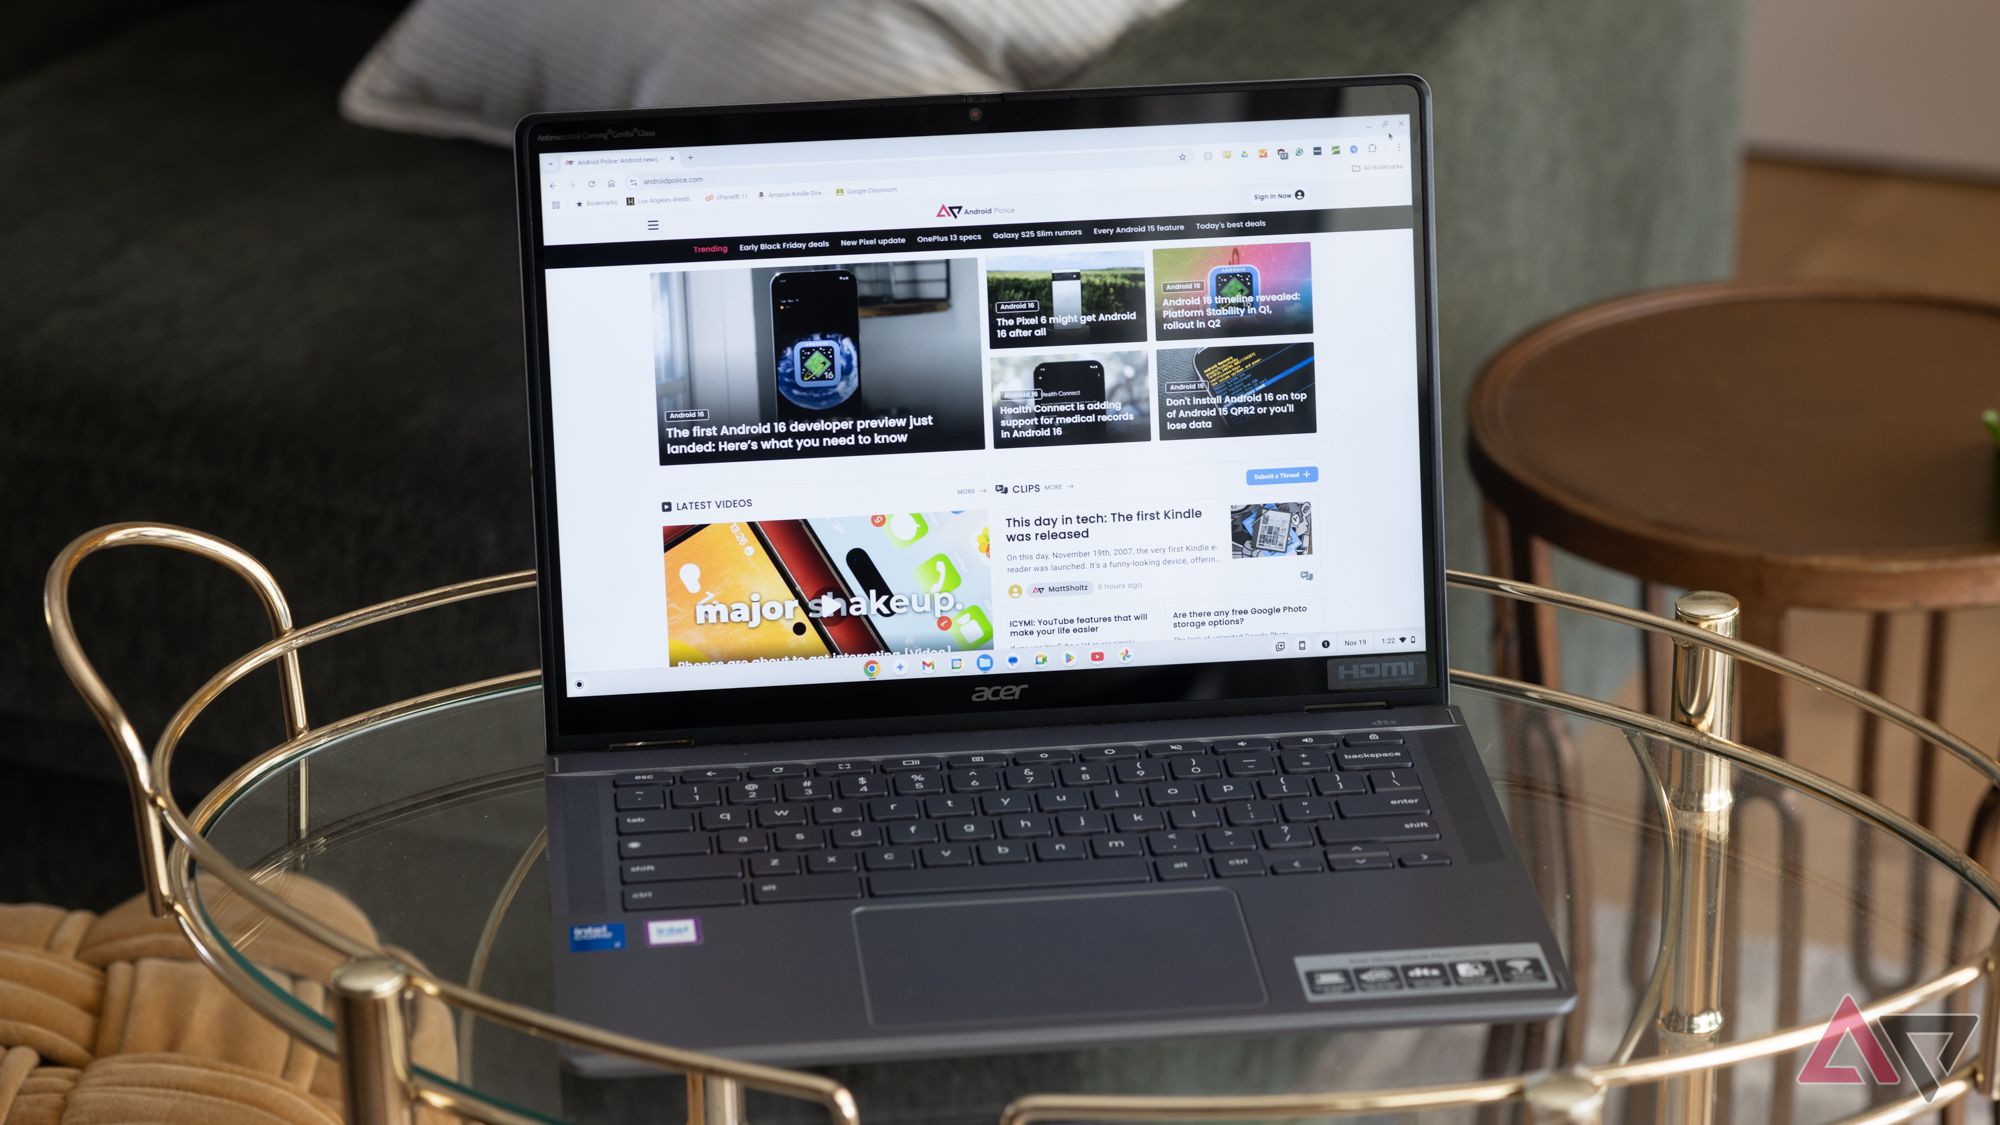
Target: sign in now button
1296, 474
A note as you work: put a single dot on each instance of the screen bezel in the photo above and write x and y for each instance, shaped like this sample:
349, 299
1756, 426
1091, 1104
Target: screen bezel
883, 707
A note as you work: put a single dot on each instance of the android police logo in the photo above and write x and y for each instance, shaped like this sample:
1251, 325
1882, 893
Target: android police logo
998, 693
949, 210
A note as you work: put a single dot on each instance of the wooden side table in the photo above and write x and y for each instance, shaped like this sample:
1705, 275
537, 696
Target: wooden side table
1799, 446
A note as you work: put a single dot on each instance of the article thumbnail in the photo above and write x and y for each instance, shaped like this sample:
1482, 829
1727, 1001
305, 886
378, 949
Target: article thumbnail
804, 589
1253, 289
1237, 390
1039, 300
1258, 531
1082, 398
817, 361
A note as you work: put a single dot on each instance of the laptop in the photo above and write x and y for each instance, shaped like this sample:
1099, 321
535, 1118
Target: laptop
992, 583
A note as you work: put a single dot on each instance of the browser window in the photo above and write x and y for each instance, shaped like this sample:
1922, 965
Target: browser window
950, 406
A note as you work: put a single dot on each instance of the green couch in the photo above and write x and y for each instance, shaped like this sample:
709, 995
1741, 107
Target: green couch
225, 307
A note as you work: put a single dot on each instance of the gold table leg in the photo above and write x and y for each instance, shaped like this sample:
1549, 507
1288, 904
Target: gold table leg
1702, 790
714, 1100
374, 1045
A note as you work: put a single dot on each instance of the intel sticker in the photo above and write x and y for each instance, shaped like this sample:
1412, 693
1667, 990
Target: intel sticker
596, 937
673, 931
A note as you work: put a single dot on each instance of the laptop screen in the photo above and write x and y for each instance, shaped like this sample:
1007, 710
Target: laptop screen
998, 403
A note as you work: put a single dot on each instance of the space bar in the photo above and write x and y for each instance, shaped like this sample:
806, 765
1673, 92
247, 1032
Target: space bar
1027, 876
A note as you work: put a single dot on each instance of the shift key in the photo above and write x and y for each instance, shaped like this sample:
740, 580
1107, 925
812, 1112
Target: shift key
1382, 829
674, 870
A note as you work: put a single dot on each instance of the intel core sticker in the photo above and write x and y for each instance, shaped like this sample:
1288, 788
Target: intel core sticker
673, 931
596, 937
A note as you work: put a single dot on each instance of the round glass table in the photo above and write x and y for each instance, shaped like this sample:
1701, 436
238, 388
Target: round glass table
1747, 939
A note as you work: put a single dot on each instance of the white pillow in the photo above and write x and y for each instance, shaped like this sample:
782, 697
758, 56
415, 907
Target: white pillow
472, 68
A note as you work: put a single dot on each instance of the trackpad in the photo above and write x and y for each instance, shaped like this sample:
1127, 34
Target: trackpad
1050, 957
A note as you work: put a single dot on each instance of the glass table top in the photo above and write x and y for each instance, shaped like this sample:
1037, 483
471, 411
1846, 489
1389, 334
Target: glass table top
427, 831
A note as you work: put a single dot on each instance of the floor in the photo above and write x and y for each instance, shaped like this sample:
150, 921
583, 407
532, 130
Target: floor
1805, 222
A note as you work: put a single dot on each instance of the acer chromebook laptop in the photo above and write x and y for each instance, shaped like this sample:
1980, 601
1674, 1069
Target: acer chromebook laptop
991, 584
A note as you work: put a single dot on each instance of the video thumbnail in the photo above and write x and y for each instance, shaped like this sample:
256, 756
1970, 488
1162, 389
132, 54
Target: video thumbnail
1254, 289
1081, 398
800, 589
1237, 390
818, 361
1258, 531
1039, 300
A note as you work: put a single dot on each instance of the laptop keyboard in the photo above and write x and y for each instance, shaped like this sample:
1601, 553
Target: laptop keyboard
1072, 816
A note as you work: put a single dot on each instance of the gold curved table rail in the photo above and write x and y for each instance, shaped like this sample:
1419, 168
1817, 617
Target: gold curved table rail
379, 1084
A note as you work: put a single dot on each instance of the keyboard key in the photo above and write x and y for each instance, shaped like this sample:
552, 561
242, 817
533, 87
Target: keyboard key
1030, 777
1173, 843
1287, 785
1369, 861
1393, 781
1411, 857
709, 774
1168, 749
1107, 753
1172, 870
1306, 808
1139, 772
1241, 745
1063, 800
1117, 796
967, 830
1280, 836
837, 812
695, 796
1024, 827
894, 808
1385, 804
779, 769
674, 870
1374, 758
1003, 851
988, 762
1082, 823
1083, 774
1196, 816
917, 783
806, 789
715, 820
901, 765
948, 855
639, 847
1139, 820
783, 816
1048, 850
743, 842
1305, 761
994, 804
1195, 768
642, 777
1378, 829
1309, 742
680, 896
774, 864
1122, 844
1250, 765
799, 839
857, 836
973, 781
642, 797
1241, 863
1230, 839
1044, 757
1340, 784
640, 823
828, 863
863, 785
806, 888
1244, 814
829, 769
1172, 793
948, 805
1373, 738
1296, 864
890, 859
912, 832
1009, 877
1225, 790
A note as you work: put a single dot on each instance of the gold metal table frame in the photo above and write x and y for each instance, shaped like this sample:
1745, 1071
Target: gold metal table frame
367, 1035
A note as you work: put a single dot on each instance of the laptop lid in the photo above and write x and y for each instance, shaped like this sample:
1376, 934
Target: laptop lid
932, 413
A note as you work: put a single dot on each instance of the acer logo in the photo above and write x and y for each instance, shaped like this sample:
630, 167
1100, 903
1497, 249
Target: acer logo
998, 693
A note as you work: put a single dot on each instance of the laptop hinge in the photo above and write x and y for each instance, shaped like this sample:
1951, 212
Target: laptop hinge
680, 742
1376, 706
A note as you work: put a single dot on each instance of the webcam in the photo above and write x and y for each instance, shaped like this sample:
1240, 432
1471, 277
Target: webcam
975, 114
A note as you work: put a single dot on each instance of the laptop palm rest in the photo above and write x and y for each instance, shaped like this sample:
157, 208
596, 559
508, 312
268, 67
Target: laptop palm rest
1055, 956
